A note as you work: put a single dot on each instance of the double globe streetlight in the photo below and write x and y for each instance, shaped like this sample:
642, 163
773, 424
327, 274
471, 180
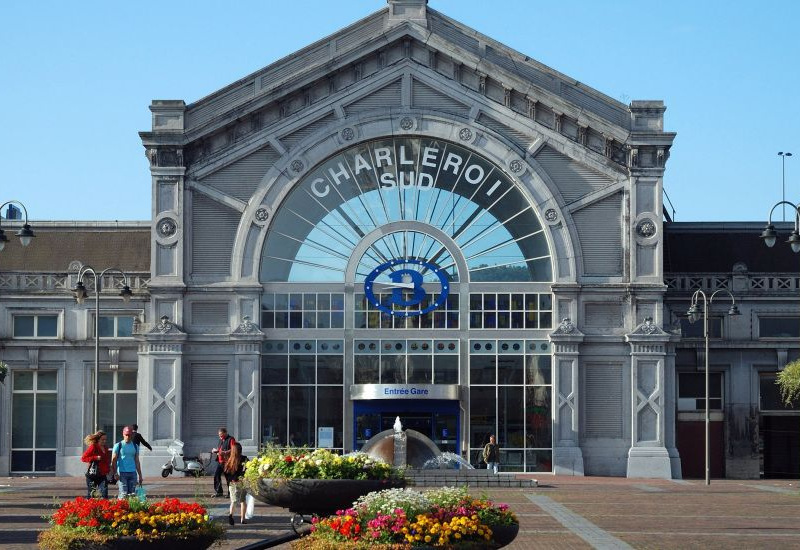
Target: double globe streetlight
25, 233
81, 294
769, 234
694, 315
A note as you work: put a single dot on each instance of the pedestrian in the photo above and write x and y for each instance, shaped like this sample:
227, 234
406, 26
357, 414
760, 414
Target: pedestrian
491, 455
125, 464
223, 451
97, 456
138, 439
234, 473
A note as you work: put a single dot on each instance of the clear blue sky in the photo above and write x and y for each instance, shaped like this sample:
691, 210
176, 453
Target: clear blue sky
76, 79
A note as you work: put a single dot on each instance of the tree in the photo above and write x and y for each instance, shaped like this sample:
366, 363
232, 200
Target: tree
789, 382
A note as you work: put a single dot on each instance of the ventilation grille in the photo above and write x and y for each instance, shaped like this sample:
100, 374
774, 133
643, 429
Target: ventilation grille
361, 32
208, 398
618, 116
520, 139
214, 230
452, 33
302, 62
573, 179
535, 76
202, 113
294, 138
241, 179
388, 96
599, 227
428, 98
603, 401
213, 314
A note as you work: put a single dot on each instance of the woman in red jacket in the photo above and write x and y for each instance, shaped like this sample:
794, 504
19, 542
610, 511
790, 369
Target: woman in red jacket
97, 450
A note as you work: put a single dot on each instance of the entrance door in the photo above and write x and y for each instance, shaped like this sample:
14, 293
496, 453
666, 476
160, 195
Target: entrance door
435, 419
691, 447
781, 435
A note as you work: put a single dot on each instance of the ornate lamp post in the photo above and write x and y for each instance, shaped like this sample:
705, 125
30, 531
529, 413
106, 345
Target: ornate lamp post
25, 233
694, 315
80, 294
769, 234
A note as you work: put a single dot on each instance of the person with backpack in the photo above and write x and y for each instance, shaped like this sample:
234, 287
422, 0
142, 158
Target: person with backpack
97, 456
138, 439
223, 450
234, 472
125, 464
491, 454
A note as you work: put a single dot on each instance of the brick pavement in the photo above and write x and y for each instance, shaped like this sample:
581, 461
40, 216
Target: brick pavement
606, 512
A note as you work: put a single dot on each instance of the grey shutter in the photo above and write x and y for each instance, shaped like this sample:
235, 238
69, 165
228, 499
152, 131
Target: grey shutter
603, 401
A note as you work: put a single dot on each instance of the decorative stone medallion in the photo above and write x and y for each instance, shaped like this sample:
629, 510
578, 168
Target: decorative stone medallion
551, 215
465, 134
297, 166
406, 123
648, 327
167, 227
348, 134
566, 326
515, 166
262, 215
646, 228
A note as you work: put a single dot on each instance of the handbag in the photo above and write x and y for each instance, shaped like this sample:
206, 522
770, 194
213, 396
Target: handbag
93, 471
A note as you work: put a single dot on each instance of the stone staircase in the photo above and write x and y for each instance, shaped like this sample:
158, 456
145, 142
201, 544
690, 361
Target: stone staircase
470, 478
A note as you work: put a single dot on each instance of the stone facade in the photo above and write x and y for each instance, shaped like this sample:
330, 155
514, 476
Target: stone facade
222, 169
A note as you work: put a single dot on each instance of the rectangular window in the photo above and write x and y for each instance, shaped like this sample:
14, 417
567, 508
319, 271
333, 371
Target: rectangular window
770, 395
692, 391
302, 386
117, 404
514, 310
116, 326
405, 362
367, 315
302, 310
511, 396
35, 326
695, 330
34, 421
779, 327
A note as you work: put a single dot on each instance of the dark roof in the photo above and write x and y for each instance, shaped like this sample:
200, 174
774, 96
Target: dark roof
122, 245
714, 247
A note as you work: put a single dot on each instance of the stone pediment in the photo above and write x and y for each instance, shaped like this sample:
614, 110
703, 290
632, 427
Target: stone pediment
335, 67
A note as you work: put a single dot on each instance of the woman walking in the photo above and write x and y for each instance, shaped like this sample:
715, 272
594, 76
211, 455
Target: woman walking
96, 474
234, 472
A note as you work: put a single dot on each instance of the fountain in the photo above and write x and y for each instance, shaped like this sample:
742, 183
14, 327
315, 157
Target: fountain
412, 449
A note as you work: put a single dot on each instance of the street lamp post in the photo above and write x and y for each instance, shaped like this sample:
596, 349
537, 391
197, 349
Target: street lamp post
80, 294
25, 233
694, 315
769, 234
783, 179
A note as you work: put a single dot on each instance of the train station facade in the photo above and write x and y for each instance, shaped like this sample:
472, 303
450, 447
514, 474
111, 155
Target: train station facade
406, 218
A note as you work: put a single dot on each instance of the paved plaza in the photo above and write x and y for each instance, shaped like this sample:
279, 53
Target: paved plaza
563, 512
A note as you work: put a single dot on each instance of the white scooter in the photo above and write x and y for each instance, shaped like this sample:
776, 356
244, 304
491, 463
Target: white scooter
192, 466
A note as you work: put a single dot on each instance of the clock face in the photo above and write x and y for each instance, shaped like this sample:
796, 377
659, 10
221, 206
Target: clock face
400, 282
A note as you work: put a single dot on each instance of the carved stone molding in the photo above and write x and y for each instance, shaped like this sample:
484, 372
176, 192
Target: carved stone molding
551, 215
247, 328
646, 228
166, 227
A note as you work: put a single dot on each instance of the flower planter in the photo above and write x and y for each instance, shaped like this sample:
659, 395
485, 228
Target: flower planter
503, 535
318, 496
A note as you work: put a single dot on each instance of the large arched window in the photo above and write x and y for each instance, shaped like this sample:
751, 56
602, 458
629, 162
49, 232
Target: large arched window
433, 182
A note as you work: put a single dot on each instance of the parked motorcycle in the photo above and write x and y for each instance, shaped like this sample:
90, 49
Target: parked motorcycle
193, 466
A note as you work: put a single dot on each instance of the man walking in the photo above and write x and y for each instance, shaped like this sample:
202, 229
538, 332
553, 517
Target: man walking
223, 451
491, 455
138, 439
125, 460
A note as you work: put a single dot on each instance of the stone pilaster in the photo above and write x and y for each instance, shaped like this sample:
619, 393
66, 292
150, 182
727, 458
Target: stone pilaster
247, 339
648, 456
567, 455
160, 390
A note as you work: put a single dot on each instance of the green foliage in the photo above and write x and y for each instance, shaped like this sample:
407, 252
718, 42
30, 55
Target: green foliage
3, 371
789, 382
276, 463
